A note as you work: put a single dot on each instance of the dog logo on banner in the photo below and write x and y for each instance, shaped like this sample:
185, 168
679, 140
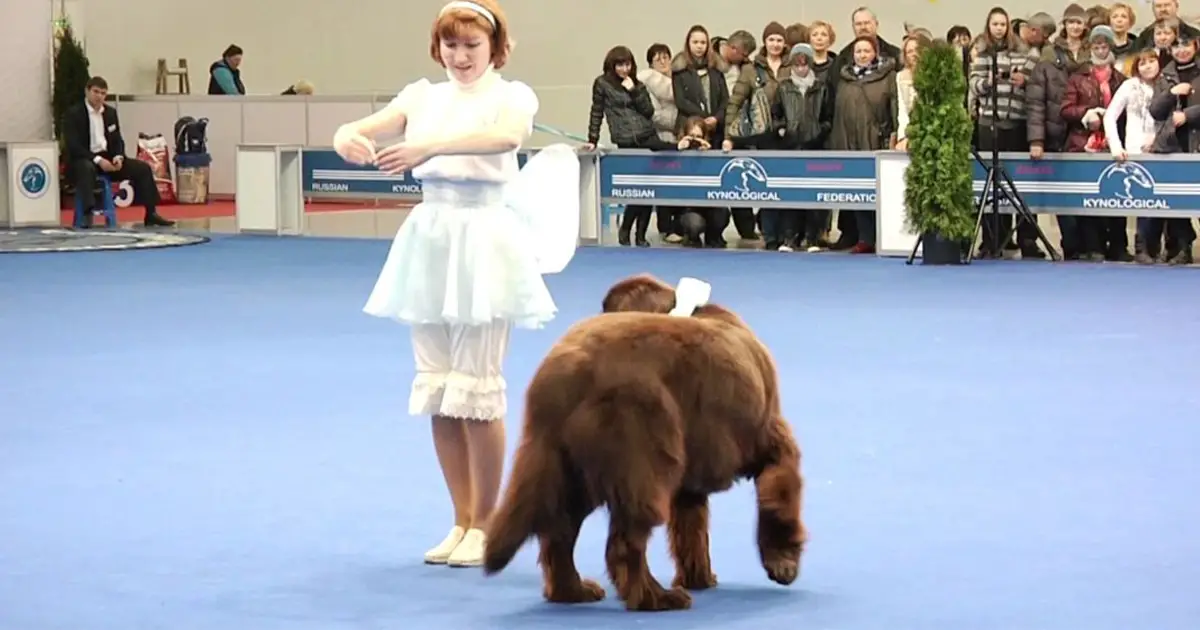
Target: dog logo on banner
1126, 186
34, 178
743, 179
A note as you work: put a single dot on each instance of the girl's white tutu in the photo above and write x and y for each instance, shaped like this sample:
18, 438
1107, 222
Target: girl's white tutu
474, 252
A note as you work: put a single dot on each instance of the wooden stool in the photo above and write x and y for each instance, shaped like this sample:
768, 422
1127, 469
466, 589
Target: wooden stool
164, 74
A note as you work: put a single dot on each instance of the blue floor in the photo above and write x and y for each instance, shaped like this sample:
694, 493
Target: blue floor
215, 438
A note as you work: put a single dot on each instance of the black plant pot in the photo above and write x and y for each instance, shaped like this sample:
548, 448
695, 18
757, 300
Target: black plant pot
937, 250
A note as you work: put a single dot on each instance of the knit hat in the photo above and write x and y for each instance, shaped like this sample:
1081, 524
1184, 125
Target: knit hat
802, 49
1103, 32
1074, 12
774, 28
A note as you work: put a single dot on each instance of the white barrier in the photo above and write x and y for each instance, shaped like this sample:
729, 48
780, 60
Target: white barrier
891, 236
270, 184
29, 192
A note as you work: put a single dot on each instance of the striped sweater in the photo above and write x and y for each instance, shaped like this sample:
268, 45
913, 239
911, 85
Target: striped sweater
1010, 98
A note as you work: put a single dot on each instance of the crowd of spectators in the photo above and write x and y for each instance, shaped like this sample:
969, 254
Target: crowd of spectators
1089, 80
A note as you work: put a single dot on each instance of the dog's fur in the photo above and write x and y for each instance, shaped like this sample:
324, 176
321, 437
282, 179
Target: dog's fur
648, 414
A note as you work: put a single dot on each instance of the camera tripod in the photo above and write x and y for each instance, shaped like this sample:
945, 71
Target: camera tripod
997, 184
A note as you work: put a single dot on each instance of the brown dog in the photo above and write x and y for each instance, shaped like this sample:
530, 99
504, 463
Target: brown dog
648, 414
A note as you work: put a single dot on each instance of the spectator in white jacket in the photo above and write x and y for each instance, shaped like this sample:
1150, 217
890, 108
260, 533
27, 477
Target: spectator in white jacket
1133, 100
657, 79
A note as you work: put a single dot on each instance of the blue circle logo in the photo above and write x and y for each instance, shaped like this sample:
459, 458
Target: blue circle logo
35, 178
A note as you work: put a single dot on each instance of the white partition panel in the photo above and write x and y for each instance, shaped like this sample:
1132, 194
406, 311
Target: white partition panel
892, 237
269, 197
590, 215
29, 193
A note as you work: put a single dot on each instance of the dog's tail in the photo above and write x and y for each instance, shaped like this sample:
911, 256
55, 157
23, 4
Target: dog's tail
533, 495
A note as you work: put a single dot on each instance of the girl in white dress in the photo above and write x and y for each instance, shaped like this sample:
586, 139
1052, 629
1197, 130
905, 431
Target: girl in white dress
464, 267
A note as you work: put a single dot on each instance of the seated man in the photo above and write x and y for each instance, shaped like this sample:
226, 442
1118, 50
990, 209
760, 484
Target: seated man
94, 141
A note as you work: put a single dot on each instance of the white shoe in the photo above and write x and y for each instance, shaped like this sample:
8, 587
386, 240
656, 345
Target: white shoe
441, 553
469, 552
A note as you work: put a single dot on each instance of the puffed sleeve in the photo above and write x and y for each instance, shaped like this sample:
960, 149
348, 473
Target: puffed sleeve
522, 103
410, 98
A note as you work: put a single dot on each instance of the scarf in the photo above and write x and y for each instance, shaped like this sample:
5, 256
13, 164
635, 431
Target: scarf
1139, 101
804, 83
1101, 71
862, 71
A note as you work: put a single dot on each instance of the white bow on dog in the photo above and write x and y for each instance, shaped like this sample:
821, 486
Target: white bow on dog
690, 294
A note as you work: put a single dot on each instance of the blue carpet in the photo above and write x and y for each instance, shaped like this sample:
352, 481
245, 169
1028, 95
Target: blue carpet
216, 438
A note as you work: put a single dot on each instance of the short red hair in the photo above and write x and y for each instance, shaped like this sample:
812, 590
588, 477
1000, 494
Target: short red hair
456, 23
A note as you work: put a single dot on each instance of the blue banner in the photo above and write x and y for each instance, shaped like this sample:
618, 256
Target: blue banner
1098, 186
759, 179
325, 173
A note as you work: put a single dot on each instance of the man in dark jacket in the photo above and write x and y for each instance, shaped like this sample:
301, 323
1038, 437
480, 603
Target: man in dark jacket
1176, 105
1164, 10
1047, 133
94, 144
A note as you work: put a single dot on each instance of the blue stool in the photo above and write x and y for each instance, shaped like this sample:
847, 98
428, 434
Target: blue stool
107, 203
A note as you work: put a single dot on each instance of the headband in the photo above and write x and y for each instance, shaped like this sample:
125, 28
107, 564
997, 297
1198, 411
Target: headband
690, 294
470, 6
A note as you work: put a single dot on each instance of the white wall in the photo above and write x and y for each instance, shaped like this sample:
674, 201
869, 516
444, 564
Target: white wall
25, 44
359, 46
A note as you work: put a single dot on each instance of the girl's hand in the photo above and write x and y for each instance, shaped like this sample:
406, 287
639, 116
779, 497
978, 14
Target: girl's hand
401, 158
353, 147
1120, 156
587, 147
627, 83
727, 146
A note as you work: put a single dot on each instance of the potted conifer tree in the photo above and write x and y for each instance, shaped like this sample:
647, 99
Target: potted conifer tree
938, 199
71, 68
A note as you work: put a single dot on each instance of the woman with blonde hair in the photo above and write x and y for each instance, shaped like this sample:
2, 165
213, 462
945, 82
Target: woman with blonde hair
906, 94
1121, 19
465, 266
822, 37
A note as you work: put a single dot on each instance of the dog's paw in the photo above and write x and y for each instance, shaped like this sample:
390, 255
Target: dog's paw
695, 581
660, 600
586, 592
782, 570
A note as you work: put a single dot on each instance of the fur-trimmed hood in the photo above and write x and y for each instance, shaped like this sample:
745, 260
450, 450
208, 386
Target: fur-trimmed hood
885, 66
715, 62
1013, 44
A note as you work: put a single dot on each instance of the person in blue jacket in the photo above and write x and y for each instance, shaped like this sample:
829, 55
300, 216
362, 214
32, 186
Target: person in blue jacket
224, 78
